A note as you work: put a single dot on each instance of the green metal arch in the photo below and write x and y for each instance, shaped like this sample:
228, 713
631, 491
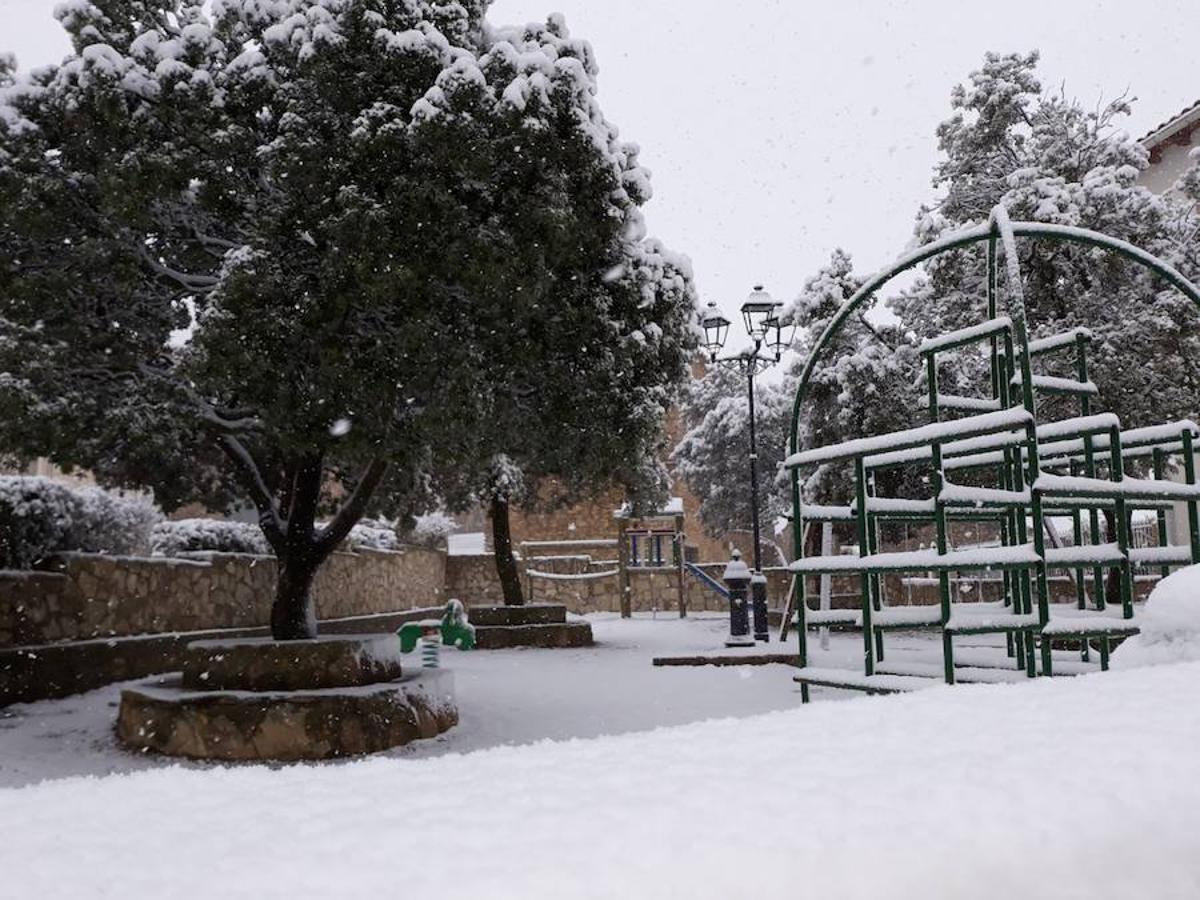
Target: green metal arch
990, 232
965, 238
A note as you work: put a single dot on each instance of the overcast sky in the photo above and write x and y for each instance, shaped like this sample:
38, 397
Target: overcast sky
777, 130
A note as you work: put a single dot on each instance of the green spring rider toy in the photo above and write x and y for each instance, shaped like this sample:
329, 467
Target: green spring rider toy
453, 629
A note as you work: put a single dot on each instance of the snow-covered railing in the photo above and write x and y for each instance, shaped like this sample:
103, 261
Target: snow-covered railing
582, 542
569, 576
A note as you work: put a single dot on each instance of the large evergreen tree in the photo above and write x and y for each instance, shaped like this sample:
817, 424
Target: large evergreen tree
294, 252
863, 385
713, 454
1049, 159
584, 412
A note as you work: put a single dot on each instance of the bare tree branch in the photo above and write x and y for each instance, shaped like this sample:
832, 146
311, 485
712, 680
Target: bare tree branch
354, 507
233, 422
251, 477
191, 282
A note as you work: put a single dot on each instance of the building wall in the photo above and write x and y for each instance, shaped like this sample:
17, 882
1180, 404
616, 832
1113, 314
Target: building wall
1169, 160
594, 519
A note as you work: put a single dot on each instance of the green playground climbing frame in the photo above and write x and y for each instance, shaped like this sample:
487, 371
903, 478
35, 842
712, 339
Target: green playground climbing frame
1020, 470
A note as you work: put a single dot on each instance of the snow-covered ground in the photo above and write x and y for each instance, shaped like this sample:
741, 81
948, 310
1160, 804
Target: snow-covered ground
1079, 787
515, 696
505, 697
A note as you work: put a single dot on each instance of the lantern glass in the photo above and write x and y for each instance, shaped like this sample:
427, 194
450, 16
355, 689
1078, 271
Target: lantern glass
780, 334
716, 330
758, 309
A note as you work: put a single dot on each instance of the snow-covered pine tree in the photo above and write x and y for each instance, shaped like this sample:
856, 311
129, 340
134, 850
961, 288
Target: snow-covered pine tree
713, 454
283, 251
579, 404
1049, 159
864, 384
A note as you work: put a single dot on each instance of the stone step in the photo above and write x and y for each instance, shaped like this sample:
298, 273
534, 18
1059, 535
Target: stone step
529, 614
553, 634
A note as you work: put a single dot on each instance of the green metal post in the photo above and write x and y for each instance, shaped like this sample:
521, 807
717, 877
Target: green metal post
1189, 475
875, 577
1039, 547
860, 494
939, 512
1077, 539
931, 377
1117, 474
798, 601
1089, 469
1160, 516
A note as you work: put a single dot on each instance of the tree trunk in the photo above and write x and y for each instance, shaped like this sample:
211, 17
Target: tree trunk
287, 515
294, 614
506, 563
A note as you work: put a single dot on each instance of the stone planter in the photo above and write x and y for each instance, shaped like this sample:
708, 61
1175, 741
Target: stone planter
258, 699
262, 664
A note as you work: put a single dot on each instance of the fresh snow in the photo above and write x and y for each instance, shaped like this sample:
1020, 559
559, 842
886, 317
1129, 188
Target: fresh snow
1053, 383
970, 333
983, 791
907, 615
1057, 341
1069, 485
673, 507
1084, 553
1170, 624
920, 560
1169, 553
571, 576
956, 451
976, 404
987, 423
467, 543
962, 494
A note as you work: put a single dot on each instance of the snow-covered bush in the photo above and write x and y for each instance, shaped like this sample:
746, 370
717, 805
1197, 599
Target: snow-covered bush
39, 517
214, 535
372, 534
1170, 624
110, 523
36, 517
431, 530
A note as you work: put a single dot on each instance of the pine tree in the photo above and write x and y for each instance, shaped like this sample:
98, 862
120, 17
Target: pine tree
863, 385
713, 454
294, 252
1049, 159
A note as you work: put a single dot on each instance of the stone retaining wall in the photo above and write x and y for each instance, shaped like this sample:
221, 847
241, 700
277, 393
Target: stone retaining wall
473, 579
90, 596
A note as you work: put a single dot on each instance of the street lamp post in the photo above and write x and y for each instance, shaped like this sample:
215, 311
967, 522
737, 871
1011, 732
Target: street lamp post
761, 316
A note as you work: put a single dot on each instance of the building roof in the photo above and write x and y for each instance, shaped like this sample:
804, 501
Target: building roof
1185, 119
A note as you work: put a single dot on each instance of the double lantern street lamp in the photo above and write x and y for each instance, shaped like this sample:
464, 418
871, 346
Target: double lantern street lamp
771, 336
